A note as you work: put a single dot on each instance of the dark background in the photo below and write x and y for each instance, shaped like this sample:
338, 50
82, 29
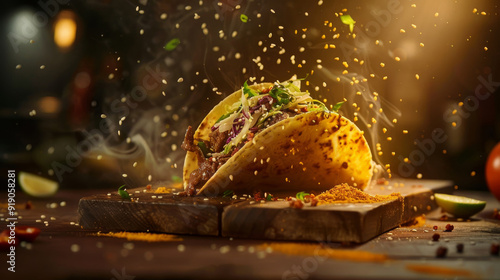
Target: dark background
460, 50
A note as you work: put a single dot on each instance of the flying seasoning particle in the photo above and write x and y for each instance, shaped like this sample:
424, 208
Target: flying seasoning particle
180, 80
486, 48
397, 58
436, 14
134, 164
405, 131
419, 176
103, 116
473, 173
272, 11
18, 66
417, 76
150, 177
231, 177
164, 81
42, 67
402, 30
382, 64
124, 175
163, 16
75, 248
414, 26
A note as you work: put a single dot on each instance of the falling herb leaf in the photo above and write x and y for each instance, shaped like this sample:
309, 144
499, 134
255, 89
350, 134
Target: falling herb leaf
172, 44
176, 179
337, 106
227, 193
269, 197
300, 195
243, 18
347, 20
123, 193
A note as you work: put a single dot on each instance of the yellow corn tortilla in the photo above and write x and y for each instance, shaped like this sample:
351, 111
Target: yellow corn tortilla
312, 151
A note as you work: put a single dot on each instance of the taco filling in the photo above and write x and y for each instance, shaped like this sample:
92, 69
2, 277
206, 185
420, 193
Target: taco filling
256, 110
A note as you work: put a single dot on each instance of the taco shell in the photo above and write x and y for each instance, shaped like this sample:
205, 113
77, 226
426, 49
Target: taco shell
312, 151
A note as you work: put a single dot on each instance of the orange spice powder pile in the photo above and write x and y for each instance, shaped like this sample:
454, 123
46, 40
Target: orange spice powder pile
344, 193
309, 249
142, 236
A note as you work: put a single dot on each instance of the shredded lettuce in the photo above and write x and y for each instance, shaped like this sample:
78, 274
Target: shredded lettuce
239, 118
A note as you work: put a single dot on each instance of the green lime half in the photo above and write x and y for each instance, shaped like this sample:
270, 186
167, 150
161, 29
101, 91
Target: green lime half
459, 206
37, 186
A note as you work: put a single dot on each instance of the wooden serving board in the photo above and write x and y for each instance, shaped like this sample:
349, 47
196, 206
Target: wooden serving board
274, 220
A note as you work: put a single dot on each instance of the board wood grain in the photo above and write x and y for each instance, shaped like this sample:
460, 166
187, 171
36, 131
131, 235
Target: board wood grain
272, 220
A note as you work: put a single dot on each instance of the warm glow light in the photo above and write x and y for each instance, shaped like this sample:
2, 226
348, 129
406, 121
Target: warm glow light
49, 104
65, 30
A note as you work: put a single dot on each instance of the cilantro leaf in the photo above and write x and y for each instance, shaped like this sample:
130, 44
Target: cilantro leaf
172, 44
248, 91
227, 193
337, 106
203, 147
243, 18
347, 20
176, 179
280, 93
123, 193
300, 195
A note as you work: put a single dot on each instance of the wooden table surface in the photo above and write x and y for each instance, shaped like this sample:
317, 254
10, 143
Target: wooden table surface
65, 251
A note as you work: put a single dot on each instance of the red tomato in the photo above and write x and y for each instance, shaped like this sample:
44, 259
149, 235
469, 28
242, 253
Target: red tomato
4, 241
26, 233
493, 171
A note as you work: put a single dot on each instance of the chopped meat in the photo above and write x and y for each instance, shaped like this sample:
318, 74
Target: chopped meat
207, 166
218, 140
221, 160
188, 144
279, 117
276, 118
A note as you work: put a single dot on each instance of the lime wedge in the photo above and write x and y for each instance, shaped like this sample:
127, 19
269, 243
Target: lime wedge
459, 206
37, 186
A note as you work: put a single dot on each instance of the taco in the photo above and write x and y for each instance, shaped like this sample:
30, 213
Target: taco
274, 138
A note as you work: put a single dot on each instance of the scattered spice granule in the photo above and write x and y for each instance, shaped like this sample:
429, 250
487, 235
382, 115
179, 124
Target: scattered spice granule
496, 214
163, 190
435, 227
344, 193
314, 202
313, 249
443, 218
441, 252
449, 227
297, 204
435, 237
439, 270
142, 236
415, 222
460, 248
494, 249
